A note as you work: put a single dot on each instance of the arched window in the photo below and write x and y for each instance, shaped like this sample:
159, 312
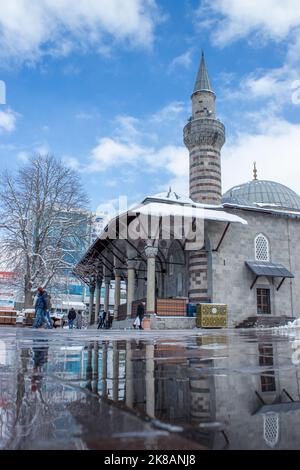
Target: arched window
271, 429
261, 246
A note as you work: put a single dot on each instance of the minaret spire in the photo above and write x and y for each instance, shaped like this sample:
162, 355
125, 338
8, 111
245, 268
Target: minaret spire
202, 80
204, 136
254, 171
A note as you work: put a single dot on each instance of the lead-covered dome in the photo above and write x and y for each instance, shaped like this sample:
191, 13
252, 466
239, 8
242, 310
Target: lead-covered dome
262, 193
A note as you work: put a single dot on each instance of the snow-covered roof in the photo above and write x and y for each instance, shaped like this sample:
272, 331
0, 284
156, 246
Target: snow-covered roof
164, 205
171, 197
162, 209
277, 211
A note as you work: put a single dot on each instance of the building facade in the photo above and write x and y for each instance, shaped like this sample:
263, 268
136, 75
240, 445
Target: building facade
247, 256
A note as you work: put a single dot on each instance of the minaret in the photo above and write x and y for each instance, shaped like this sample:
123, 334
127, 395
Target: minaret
204, 137
254, 171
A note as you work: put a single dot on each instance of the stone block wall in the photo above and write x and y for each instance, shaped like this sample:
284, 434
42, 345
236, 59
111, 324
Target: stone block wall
231, 279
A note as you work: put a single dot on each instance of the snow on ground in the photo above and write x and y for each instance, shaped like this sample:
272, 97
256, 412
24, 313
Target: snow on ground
290, 324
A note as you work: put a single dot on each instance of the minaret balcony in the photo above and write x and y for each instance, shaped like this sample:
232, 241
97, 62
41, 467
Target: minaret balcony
204, 131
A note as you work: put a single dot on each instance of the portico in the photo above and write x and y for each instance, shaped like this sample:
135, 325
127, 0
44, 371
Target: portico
152, 256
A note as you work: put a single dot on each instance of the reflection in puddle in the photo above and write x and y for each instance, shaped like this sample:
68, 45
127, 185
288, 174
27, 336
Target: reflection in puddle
234, 390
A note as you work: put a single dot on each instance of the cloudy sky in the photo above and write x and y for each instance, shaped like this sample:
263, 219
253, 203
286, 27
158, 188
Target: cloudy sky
106, 84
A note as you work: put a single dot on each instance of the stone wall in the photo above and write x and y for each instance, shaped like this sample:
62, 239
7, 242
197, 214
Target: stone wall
231, 279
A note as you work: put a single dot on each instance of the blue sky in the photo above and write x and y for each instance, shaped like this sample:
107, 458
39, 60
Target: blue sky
106, 84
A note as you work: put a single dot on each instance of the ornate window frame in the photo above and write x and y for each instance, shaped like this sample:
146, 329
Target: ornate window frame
271, 429
261, 248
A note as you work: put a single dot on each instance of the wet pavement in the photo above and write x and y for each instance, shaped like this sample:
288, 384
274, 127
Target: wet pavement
171, 390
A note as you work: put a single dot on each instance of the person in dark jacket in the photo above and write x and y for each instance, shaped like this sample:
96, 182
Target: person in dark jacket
49, 323
102, 318
71, 318
140, 314
41, 307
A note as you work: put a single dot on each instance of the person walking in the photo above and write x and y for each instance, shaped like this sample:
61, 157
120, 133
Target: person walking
71, 318
41, 307
102, 320
49, 323
79, 320
140, 312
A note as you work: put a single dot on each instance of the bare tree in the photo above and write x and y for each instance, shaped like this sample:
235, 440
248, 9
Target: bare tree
43, 221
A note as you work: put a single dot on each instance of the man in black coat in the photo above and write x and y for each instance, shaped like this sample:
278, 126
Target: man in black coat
71, 318
140, 313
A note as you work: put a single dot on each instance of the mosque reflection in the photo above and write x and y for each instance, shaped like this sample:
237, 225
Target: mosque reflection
204, 390
202, 387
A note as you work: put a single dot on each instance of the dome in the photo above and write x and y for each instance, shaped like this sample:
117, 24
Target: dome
262, 193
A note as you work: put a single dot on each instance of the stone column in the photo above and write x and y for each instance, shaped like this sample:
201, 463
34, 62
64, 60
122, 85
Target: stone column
89, 369
130, 286
95, 367
115, 385
106, 295
151, 253
150, 382
91, 306
104, 369
129, 376
98, 299
117, 291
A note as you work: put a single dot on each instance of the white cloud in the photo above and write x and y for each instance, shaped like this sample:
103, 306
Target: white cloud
109, 153
169, 112
23, 156
275, 148
31, 28
128, 151
39, 148
274, 86
72, 162
42, 149
270, 89
271, 19
183, 60
265, 85
174, 159
2, 92
8, 120
127, 128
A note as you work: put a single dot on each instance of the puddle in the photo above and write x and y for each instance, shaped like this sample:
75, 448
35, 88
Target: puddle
226, 389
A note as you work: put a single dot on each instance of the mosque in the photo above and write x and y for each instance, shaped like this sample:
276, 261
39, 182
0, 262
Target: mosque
248, 257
